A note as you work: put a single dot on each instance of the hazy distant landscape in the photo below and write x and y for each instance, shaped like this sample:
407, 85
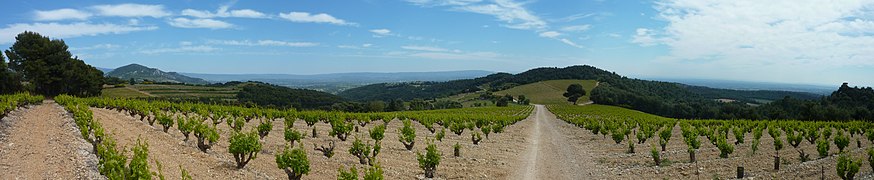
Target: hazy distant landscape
437, 89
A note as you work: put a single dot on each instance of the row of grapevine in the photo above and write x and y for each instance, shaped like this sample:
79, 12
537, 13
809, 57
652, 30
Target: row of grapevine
11, 102
619, 123
203, 119
113, 163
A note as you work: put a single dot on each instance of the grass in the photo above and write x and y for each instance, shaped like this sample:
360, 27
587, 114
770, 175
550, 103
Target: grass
549, 92
121, 92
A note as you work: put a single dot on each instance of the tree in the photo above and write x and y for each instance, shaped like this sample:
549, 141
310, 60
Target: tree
375, 106
396, 105
430, 160
9, 82
574, 92
50, 68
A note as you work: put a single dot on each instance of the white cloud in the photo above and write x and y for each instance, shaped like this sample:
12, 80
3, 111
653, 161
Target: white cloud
810, 32
58, 30
424, 48
792, 38
185, 43
569, 42
305, 17
366, 45
550, 34
224, 11
61, 14
457, 56
363, 46
131, 10
577, 28
263, 43
381, 32
182, 49
199, 23
97, 46
512, 13
645, 37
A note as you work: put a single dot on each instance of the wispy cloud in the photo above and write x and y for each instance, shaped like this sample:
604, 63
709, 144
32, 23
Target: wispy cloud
577, 28
513, 14
381, 32
131, 10
569, 42
262, 43
645, 37
425, 48
305, 17
59, 30
457, 56
199, 23
224, 11
550, 34
96, 46
61, 14
182, 49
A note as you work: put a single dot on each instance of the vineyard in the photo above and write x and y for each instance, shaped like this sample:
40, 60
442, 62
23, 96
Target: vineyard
192, 140
644, 145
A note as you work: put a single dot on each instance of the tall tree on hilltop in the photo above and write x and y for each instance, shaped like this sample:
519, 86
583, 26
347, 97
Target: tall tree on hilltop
9, 82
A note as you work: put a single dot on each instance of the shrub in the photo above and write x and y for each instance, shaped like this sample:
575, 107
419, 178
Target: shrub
655, 156
315, 134
377, 133
665, 136
475, 137
373, 173
264, 128
724, 147
755, 146
871, 158
139, 163
365, 153
847, 167
457, 128
352, 174
407, 135
341, 129
456, 149
236, 123
440, 134
294, 162
430, 160
617, 135
738, 135
841, 141
822, 147
244, 147
206, 135
327, 151
185, 126
292, 135
165, 121
486, 130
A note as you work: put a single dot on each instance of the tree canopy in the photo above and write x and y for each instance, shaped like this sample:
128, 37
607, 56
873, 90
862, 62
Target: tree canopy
574, 92
47, 66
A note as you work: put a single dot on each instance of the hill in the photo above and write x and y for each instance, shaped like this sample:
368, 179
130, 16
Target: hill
549, 92
337, 82
493, 82
140, 73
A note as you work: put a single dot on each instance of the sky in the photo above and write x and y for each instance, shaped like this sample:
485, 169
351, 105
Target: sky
820, 42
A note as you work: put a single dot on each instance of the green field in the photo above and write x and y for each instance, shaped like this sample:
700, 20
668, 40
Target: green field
171, 91
549, 92
122, 92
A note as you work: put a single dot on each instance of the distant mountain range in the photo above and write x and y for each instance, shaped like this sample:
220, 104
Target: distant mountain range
140, 72
337, 82
753, 86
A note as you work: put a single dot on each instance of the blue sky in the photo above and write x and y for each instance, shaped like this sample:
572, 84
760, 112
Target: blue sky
791, 41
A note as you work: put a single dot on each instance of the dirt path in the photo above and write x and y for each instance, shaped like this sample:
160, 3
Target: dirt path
551, 153
42, 142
